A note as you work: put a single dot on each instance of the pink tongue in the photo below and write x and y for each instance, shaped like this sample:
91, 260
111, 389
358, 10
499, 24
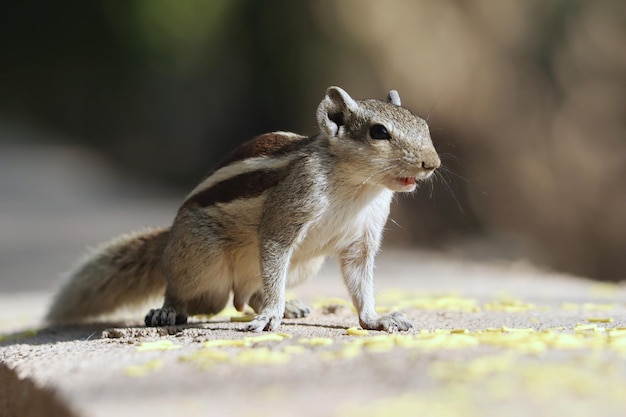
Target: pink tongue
408, 181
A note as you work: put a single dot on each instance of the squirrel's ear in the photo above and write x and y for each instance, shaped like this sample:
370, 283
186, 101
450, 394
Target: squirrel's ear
394, 98
334, 110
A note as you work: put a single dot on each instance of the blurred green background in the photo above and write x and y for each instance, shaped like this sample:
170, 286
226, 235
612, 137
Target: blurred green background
526, 103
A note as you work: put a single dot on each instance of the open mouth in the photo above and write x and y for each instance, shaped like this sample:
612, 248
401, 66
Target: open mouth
406, 183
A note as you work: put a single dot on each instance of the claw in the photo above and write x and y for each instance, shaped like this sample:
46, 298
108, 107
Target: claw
264, 322
165, 316
295, 309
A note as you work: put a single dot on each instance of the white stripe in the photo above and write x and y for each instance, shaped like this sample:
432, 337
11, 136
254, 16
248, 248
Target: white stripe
289, 134
241, 167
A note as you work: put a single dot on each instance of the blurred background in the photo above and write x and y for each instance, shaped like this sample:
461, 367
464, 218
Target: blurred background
111, 111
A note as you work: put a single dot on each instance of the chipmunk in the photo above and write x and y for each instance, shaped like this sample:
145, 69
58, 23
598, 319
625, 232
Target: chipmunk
265, 219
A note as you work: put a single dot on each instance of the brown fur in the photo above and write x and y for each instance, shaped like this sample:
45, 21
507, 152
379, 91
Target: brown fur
248, 185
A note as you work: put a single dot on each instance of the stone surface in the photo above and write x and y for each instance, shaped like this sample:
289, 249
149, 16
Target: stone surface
489, 340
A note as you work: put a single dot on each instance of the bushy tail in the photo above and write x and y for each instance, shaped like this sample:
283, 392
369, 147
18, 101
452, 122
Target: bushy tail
123, 272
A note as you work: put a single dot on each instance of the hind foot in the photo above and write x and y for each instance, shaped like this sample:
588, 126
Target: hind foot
165, 316
296, 309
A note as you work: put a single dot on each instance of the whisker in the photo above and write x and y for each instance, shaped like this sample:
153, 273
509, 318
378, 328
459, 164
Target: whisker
446, 183
433, 107
444, 155
381, 170
396, 223
431, 181
450, 156
444, 169
374, 174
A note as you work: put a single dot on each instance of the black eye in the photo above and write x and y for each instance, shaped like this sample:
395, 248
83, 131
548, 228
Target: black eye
379, 132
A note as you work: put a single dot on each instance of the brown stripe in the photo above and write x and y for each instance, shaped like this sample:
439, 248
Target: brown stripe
248, 185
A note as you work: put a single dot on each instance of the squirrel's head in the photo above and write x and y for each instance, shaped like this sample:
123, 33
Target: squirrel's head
381, 142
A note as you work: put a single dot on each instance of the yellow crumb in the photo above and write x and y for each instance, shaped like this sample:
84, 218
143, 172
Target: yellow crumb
570, 306
206, 356
617, 332
509, 305
158, 345
598, 307
357, 331
600, 319
604, 289
583, 327
348, 351
316, 341
242, 319
261, 356
517, 330
19, 335
269, 337
379, 343
226, 343
149, 367
291, 349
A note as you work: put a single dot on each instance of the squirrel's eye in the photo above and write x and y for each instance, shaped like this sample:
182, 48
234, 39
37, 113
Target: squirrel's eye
379, 132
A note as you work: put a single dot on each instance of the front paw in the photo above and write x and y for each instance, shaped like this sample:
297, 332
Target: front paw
268, 321
395, 321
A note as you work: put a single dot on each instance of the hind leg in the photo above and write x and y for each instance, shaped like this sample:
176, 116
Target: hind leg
174, 311
194, 266
208, 303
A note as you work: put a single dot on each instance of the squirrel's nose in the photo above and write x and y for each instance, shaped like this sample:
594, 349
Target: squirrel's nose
431, 163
